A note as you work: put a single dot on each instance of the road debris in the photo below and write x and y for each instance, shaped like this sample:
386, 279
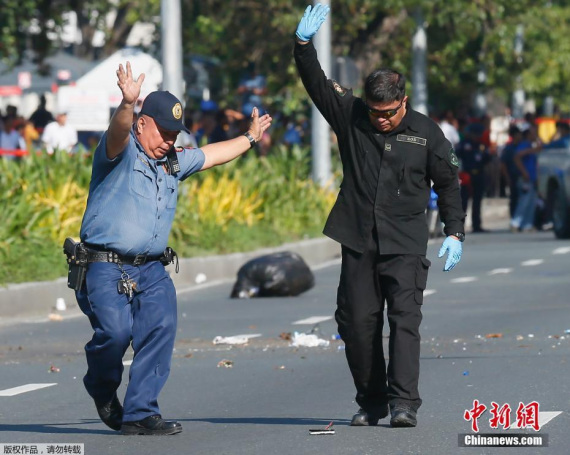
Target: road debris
235, 339
226, 363
307, 339
327, 430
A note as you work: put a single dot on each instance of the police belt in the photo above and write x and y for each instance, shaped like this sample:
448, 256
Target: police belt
111, 256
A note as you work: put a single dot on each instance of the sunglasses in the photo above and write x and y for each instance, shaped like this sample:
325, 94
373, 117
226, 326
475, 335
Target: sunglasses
385, 113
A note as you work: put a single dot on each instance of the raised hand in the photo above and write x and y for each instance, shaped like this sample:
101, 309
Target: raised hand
259, 124
131, 88
311, 21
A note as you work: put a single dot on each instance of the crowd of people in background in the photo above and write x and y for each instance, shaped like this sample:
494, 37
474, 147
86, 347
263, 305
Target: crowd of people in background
499, 158
42, 130
498, 155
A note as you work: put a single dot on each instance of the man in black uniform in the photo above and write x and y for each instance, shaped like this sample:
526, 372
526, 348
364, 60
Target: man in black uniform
474, 157
389, 154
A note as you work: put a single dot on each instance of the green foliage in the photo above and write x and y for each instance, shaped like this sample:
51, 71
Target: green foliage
247, 204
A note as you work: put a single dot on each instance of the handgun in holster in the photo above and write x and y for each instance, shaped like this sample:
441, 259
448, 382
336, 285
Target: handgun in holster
77, 260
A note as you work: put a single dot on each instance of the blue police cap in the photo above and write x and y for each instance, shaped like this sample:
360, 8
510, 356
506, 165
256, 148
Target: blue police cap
165, 109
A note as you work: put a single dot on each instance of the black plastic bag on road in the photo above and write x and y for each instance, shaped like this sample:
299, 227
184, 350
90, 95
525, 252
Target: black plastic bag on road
274, 275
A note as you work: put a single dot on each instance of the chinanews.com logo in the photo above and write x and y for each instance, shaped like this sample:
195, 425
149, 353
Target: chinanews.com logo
526, 417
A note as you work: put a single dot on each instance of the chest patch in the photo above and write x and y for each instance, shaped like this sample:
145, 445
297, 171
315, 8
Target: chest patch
412, 139
388, 147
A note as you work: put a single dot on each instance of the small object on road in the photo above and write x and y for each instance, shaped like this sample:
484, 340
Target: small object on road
466, 373
226, 363
520, 337
230, 340
335, 337
307, 339
567, 331
285, 336
55, 317
273, 275
200, 278
60, 304
53, 369
494, 335
327, 430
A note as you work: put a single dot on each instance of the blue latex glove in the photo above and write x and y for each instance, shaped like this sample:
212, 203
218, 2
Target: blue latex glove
311, 21
454, 250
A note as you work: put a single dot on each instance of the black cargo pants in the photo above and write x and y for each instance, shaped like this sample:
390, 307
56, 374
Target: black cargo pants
368, 280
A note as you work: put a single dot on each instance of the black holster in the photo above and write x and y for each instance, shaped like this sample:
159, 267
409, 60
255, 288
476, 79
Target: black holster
77, 260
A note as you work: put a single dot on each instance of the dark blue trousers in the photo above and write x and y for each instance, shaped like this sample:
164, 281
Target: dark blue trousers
148, 320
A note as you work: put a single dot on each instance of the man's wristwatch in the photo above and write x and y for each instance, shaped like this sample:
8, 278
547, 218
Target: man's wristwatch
250, 139
460, 236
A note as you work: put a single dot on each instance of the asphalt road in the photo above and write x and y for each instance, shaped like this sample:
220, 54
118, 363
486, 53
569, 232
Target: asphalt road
494, 330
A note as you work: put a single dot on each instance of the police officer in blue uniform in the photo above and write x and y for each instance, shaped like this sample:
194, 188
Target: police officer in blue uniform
127, 294
389, 154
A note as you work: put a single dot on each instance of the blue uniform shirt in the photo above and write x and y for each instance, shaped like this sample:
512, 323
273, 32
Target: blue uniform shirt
132, 199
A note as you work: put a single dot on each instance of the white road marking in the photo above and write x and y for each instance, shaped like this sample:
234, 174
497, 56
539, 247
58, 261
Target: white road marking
500, 271
429, 292
562, 250
464, 279
543, 418
532, 262
313, 320
23, 389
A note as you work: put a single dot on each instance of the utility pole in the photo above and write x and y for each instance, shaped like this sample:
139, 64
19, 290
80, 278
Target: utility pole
518, 94
320, 130
171, 28
419, 65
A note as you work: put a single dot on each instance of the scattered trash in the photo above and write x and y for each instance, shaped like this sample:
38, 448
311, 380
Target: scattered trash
335, 337
60, 304
327, 430
273, 275
440, 356
281, 367
341, 348
187, 356
466, 373
226, 363
531, 335
53, 369
236, 339
494, 335
567, 331
285, 336
307, 339
55, 317
200, 278
520, 337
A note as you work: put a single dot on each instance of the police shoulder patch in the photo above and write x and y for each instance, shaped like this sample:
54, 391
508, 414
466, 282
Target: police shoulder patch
338, 88
453, 157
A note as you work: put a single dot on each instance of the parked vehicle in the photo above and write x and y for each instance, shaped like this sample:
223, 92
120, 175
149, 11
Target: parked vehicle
554, 185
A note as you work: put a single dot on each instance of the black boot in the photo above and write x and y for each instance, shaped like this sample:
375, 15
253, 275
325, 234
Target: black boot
152, 425
403, 416
111, 413
364, 419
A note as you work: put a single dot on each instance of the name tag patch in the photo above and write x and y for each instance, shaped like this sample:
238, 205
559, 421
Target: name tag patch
412, 139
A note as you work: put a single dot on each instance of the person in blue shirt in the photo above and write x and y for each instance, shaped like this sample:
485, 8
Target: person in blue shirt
525, 160
128, 295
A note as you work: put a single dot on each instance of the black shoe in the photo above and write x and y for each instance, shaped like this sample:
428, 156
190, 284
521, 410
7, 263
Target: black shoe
152, 425
365, 419
403, 416
111, 413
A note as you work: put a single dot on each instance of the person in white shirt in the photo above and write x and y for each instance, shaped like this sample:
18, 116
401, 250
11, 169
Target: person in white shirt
58, 135
449, 130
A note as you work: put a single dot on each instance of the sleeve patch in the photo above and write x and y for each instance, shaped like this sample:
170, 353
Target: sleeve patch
341, 91
453, 157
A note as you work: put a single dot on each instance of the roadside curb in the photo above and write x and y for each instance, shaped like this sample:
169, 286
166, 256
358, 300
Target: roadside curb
38, 299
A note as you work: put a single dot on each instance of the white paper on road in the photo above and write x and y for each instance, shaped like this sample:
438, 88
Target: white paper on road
23, 389
235, 339
307, 339
562, 250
